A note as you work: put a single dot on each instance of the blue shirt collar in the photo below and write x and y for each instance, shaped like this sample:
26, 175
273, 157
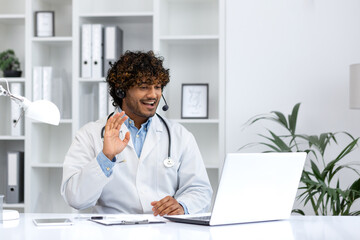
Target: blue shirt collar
129, 123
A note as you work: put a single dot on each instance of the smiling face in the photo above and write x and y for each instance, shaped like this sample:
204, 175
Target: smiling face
141, 102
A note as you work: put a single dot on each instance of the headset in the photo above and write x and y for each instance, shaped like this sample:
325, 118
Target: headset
168, 162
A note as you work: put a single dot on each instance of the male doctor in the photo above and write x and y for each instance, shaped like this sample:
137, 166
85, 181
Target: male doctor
124, 166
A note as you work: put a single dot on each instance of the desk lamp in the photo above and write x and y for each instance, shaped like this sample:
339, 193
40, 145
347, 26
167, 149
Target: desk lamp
40, 110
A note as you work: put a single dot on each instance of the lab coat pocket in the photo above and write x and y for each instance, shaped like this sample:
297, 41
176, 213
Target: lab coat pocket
167, 178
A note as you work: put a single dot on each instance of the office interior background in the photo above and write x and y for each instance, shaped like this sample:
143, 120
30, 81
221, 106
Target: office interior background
257, 56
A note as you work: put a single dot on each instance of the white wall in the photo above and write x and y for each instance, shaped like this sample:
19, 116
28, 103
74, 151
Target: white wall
281, 52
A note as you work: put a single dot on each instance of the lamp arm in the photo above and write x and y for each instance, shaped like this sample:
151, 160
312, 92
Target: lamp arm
3, 92
21, 101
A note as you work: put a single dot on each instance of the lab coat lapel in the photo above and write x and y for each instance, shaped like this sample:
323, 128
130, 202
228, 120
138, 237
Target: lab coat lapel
152, 137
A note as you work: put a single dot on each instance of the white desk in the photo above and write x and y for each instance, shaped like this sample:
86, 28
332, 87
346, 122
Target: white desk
296, 227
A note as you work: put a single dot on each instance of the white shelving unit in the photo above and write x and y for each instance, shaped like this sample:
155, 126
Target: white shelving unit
188, 33
12, 25
46, 145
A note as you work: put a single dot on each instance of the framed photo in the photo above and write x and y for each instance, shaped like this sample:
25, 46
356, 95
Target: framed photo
44, 24
195, 100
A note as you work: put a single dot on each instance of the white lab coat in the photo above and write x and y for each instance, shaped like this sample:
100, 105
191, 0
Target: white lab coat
136, 182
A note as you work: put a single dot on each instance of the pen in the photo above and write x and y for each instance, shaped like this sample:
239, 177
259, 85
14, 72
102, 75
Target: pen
92, 218
97, 217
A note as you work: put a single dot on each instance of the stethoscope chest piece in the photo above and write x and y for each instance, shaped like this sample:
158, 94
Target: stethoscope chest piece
169, 162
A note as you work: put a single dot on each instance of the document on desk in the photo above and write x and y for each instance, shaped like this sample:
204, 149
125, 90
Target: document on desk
128, 220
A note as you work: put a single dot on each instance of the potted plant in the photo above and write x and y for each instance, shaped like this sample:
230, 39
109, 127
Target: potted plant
9, 64
320, 184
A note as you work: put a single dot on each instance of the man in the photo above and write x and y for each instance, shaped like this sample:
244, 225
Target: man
129, 170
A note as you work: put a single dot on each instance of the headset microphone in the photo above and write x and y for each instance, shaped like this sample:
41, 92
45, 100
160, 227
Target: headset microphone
165, 107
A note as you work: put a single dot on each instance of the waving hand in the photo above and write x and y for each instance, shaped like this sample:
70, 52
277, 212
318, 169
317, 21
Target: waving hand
112, 142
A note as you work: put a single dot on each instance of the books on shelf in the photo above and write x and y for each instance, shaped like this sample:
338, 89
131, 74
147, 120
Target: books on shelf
86, 51
112, 46
101, 46
103, 100
52, 85
15, 177
97, 51
47, 82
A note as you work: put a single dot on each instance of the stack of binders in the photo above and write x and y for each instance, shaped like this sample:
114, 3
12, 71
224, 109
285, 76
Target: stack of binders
101, 46
42, 82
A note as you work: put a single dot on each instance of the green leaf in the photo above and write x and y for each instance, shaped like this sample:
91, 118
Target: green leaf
316, 171
347, 149
281, 119
355, 185
293, 118
298, 211
279, 142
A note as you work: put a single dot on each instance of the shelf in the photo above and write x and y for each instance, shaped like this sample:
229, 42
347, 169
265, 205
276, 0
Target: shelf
12, 138
92, 80
66, 121
12, 79
47, 165
13, 205
53, 40
116, 19
202, 121
117, 15
189, 38
12, 18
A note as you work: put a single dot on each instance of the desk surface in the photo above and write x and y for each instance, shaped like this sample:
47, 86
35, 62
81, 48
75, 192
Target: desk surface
297, 227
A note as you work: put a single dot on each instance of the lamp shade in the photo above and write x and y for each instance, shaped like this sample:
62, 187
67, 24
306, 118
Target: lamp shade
354, 85
43, 111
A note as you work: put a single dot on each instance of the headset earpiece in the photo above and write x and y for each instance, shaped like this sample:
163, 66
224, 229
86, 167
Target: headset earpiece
120, 93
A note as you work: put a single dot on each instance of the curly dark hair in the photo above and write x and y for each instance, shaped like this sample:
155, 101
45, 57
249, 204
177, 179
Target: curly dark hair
135, 68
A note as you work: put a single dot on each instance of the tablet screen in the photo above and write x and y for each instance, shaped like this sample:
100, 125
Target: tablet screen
53, 222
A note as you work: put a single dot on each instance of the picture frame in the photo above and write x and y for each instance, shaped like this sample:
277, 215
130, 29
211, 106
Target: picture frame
44, 24
195, 101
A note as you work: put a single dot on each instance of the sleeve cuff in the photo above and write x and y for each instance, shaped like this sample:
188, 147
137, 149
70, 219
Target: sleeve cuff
105, 164
184, 207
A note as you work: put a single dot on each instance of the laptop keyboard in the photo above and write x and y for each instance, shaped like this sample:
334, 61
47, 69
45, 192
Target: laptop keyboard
202, 218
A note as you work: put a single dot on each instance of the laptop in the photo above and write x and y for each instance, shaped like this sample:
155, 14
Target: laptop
254, 187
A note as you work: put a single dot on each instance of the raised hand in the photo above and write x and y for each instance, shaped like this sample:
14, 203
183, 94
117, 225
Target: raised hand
112, 142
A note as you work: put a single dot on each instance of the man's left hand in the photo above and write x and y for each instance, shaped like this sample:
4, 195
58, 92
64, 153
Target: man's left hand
167, 206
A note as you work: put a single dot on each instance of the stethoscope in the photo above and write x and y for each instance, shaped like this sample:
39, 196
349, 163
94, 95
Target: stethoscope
168, 162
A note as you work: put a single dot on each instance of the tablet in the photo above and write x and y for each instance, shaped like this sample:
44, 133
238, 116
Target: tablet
52, 222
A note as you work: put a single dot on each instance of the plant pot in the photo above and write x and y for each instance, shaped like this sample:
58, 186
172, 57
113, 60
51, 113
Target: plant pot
12, 73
